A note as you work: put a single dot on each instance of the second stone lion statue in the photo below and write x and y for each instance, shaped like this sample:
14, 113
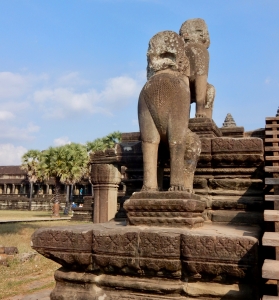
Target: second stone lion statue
197, 41
163, 110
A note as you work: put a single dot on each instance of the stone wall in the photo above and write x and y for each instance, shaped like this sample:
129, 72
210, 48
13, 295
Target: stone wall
21, 202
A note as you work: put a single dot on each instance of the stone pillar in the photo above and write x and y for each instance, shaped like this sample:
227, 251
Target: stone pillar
13, 188
47, 189
5, 188
105, 179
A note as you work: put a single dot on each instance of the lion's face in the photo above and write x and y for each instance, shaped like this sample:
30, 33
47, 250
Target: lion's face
195, 31
166, 51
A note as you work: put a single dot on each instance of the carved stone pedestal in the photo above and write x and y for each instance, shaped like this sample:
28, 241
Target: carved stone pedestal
112, 261
204, 127
172, 209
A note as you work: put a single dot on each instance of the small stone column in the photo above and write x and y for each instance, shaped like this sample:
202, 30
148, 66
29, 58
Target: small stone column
5, 188
105, 179
47, 189
13, 188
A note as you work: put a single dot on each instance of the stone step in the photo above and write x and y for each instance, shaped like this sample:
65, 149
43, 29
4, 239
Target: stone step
271, 215
271, 140
272, 158
270, 269
269, 119
272, 181
271, 239
272, 132
271, 169
272, 148
236, 217
268, 126
270, 297
271, 197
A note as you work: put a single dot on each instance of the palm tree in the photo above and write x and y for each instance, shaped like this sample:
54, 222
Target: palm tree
67, 164
77, 165
30, 163
102, 144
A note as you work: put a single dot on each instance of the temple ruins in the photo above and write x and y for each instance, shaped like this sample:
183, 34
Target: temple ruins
190, 218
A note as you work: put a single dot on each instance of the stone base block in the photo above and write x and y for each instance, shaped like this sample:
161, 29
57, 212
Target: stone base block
193, 222
168, 209
81, 286
115, 261
204, 127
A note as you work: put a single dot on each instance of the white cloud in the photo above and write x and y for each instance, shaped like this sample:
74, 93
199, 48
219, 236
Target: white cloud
10, 154
63, 102
72, 79
13, 133
6, 115
13, 85
63, 140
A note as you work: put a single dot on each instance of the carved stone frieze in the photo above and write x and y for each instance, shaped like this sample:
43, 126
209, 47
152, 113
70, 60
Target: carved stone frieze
205, 146
159, 244
246, 145
221, 248
67, 238
166, 222
220, 271
115, 242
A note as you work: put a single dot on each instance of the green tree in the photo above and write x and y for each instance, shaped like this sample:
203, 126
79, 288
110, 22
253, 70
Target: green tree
107, 142
30, 163
67, 164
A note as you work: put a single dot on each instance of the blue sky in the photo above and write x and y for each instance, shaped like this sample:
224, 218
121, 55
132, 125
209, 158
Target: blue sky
71, 70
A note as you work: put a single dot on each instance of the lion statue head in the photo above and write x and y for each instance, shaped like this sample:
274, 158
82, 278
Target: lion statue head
166, 50
195, 31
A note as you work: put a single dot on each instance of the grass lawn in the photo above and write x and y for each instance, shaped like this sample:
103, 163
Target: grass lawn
25, 214
19, 278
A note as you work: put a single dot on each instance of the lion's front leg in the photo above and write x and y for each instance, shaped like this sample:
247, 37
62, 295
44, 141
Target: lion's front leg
200, 93
177, 167
150, 143
150, 158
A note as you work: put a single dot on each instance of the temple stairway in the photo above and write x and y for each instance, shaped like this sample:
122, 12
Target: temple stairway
270, 269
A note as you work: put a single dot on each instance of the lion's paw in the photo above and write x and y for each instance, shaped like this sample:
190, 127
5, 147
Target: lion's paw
177, 188
200, 116
147, 189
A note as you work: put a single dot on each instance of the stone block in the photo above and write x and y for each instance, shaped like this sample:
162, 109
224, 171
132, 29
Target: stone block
166, 222
116, 264
63, 237
255, 185
159, 244
235, 132
73, 260
160, 267
216, 271
204, 127
164, 201
166, 209
249, 203
240, 217
115, 242
202, 247
240, 145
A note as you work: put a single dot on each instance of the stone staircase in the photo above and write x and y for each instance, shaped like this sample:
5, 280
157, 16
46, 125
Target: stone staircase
270, 269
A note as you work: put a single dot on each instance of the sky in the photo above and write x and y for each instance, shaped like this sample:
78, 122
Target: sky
72, 70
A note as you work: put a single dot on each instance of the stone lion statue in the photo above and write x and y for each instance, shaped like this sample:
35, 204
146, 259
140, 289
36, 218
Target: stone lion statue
163, 111
197, 41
